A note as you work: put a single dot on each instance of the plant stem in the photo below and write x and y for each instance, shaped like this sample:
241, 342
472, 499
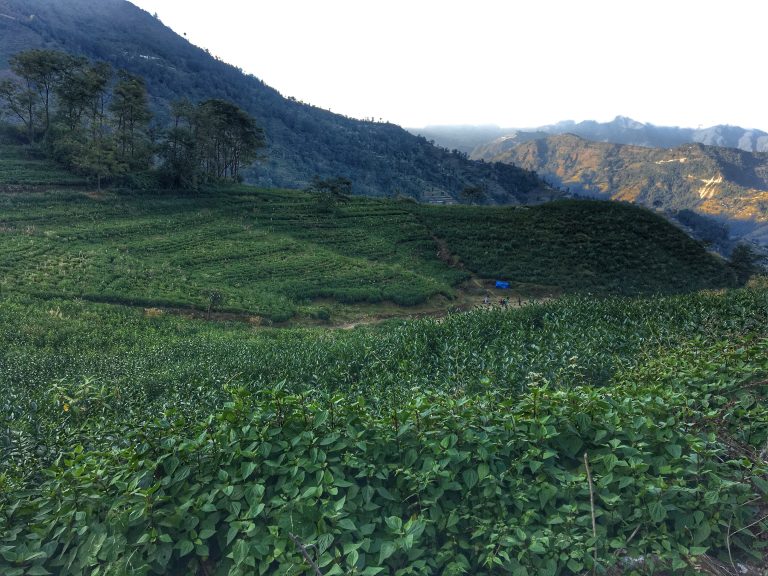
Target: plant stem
592, 508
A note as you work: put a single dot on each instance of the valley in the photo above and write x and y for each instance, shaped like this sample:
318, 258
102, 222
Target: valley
175, 401
242, 335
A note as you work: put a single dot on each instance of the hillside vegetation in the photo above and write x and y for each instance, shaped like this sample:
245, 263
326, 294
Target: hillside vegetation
303, 141
553, 439
278, 254
722, 184
578, 246
614, 434
21, 169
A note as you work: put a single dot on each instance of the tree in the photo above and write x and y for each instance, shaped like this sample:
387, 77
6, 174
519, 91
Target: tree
75, 93
473, 194
745, 262
228, 138
131, 117
178, 150
85, 141
98, 160
339, 187
209, 142
330, 191
22, 104
40, 71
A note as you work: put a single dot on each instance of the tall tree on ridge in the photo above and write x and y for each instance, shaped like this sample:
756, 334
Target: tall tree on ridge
131, 116
41, 71
22, 104
209, 142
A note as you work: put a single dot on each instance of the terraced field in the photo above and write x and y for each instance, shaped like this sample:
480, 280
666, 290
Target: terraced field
277, 255
266, 253
591, 433
20, 167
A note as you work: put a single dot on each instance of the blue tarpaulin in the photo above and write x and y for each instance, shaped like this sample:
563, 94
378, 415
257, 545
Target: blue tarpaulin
501, 284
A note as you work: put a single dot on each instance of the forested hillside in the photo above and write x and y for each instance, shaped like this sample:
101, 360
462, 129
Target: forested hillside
303, 141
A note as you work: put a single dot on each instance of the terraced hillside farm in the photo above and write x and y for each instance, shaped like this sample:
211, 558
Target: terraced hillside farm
266, 253
276, 255
596, 247
591, 432
21, 168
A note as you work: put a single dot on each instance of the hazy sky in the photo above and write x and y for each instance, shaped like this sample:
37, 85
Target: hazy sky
507, 62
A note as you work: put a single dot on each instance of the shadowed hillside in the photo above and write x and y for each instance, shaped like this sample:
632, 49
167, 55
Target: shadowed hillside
303, 141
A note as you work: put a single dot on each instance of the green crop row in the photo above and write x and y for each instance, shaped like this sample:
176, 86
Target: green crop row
274, 253
596, 247
551, 482
18, 167
177, 251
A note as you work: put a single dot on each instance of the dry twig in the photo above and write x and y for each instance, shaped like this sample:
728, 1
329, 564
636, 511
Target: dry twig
303, 550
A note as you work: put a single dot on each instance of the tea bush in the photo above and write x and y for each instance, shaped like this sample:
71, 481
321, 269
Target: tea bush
158, 445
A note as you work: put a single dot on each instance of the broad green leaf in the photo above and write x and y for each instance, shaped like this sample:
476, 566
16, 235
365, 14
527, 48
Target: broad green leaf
207, 533
352, 558
394, 523
347, 524
387, 549
185, 547
657, 511
470, 478
674, 450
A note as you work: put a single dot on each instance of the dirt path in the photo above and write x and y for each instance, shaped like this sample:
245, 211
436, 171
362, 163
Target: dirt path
470, 295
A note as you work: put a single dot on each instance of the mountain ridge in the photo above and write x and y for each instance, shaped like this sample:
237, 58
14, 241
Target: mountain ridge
303, 141
620, 130
725, 184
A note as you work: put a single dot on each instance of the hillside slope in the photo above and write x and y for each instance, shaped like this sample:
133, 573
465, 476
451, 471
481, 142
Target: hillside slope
728, 184
304, 141
279, 254
127, 438
578, 246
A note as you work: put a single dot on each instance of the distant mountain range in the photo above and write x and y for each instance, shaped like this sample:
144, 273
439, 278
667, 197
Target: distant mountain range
303, 141
486, 142
723, 184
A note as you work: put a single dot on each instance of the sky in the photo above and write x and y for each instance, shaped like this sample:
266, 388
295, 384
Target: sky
510, 63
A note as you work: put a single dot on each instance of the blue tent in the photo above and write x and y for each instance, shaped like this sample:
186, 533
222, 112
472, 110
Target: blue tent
502, 284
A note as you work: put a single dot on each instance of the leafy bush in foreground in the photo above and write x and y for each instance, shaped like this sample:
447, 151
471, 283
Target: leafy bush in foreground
439, 484
472, 476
